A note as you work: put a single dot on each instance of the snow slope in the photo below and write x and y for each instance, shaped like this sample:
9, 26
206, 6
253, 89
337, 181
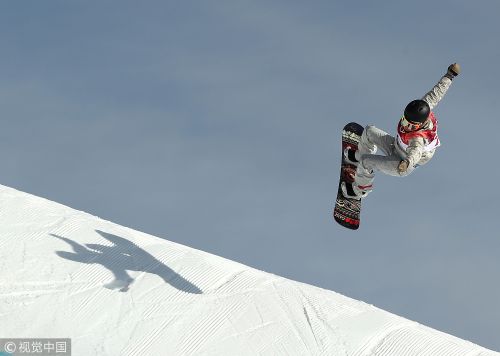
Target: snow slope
116, 291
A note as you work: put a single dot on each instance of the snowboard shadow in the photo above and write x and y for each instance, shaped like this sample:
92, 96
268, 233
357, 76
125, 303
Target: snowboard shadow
121, 257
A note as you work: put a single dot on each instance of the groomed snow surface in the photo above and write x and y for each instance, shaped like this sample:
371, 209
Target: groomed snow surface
116, 291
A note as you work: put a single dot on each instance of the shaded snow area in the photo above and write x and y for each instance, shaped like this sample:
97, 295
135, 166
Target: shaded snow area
116, 291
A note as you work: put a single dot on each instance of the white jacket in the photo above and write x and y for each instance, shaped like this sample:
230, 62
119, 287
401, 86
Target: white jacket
416, 153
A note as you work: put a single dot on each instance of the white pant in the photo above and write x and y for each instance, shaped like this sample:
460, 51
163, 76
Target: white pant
371, 139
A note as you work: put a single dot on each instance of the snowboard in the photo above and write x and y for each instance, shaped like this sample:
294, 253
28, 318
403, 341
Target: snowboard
347, 210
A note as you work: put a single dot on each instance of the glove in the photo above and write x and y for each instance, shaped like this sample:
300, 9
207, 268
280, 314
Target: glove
403, 166
453, 70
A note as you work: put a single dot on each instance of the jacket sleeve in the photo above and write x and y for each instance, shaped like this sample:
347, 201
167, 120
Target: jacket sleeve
437, 93
415, 150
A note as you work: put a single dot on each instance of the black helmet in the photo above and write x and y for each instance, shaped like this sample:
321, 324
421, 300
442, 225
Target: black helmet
417, 111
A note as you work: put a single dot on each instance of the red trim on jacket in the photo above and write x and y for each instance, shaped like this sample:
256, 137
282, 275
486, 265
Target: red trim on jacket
430, 135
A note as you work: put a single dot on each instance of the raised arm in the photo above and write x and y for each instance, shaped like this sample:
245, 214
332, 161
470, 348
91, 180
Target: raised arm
434, 96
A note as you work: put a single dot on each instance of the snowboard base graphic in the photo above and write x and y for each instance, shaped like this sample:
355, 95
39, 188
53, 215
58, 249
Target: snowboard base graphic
347, 210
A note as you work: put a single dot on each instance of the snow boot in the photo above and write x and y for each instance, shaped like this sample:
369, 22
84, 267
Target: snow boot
352, 191
350, 156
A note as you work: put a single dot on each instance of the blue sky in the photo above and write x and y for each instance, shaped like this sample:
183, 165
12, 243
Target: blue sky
217, 125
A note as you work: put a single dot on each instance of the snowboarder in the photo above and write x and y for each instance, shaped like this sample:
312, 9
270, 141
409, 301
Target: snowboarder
414, 145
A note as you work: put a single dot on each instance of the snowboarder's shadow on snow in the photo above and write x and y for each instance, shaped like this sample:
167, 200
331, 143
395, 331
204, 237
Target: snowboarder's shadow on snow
121, 257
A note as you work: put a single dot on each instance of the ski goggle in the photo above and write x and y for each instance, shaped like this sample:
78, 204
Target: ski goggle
409, 125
